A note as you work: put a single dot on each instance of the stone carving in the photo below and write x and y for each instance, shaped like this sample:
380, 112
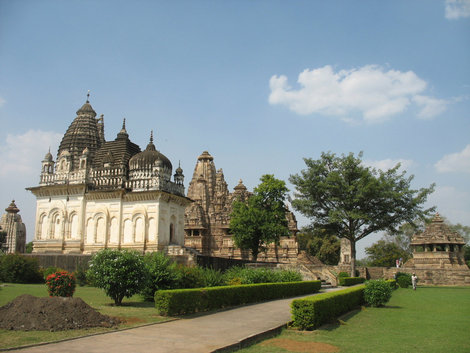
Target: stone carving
207, 220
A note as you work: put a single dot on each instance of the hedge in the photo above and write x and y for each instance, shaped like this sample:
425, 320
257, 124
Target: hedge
187, 301
310, 313
350, 281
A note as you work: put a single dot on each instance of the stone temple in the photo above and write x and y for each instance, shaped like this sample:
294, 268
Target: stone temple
207, 219
438, 247
15, 230
107, 194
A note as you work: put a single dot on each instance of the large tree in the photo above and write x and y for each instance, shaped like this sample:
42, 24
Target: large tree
351, 200
384, 254
316, 242
261, 220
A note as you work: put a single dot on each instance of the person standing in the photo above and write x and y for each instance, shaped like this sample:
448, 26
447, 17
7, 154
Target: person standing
414, 280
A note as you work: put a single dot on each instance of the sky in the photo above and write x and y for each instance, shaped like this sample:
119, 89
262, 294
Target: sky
259, 84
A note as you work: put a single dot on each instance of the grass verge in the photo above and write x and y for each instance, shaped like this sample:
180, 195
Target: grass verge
134, 312
431, 319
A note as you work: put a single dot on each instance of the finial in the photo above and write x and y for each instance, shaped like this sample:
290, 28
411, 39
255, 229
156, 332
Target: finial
124, 124
151, 136
88, 97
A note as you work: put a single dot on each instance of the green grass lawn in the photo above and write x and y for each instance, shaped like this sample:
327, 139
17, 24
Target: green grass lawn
430, 319
134, 311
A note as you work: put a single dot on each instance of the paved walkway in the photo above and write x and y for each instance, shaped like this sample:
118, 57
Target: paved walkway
206, 333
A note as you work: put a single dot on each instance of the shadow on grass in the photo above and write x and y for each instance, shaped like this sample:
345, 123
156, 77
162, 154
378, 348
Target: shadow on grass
133, 304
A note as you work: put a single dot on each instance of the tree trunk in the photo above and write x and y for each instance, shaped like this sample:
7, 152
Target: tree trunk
353, 258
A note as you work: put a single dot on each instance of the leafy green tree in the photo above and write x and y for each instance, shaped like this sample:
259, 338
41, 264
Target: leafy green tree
385, 254
29, 247
120, 273
3, 239
351, 200
326, 247
261, 220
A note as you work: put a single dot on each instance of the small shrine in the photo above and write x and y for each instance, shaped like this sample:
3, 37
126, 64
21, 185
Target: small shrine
15, 230
438, 247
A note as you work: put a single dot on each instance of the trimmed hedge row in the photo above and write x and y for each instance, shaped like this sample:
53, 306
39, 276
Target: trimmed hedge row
310, 313
350, 281
187, 301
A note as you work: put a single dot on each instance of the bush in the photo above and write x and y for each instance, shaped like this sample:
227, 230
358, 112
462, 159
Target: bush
377, 292
343, 274
350, 281
403, 279
187, 301
15, 268
212, 278
60, 284
162, 274
310, 313
50, 270
392, 283
81, 275
189, 277
243, 275
121, 273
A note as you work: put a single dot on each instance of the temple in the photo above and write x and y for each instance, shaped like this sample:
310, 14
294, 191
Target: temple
15, 230
207, 219
107, 194
438, 247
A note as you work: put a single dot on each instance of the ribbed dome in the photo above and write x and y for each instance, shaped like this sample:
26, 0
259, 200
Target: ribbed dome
48, 157
82, 133
149, 158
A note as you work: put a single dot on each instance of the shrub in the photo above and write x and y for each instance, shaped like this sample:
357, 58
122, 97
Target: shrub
50, 270
60, 284
189, 277
212, 278
187, 301
15, 268
121, 273
310, 313
377, 292
243, 275
343, 274
403, 279
162, 274
81, 275
392, 283
350, 281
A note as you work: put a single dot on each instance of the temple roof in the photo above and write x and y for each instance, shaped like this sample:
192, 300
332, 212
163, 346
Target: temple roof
149, 158
437, 232
12, 208
83, 132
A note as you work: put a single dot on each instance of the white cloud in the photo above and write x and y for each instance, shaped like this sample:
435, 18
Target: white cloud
386, 164
21, 155
455, 162
370, 91
430, 107
457, 8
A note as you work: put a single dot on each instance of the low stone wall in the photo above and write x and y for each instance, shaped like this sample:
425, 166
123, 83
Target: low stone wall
64, 261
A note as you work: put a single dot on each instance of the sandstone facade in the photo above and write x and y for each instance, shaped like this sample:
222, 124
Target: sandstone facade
207, 219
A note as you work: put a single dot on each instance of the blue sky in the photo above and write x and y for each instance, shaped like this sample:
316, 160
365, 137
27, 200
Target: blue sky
259, 84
